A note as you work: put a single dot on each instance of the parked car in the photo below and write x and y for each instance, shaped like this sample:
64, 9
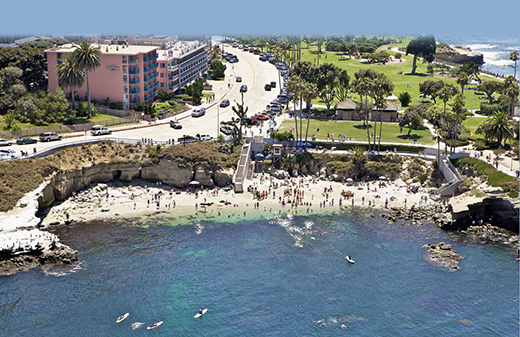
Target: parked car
204, 137
251, 121
243, 88
267, 87
261, 117
48, 136
224, 103
197, 112
4, 157
238, 79
187, 139
226, 130
233, 60
26, 140
9, 152
176, 125
273, 84
263, 58
98, 130
4, 142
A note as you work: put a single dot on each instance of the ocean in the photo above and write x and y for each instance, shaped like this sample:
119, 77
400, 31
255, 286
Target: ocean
496, 51
265, 277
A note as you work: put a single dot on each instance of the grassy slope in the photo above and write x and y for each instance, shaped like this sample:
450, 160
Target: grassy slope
79, 120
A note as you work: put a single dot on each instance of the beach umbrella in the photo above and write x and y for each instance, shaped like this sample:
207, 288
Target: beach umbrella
308, 144
299, 144
259, 155
382, 178
194, 182
350, 180
271, 123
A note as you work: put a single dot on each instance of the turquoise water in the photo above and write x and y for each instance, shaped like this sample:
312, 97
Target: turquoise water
265, 278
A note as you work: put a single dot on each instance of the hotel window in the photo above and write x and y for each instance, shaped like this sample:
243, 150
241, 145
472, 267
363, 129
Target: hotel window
124, 69
125, 98
125, 88
163, 65
163, 85
162, 75
125, 79
124, 58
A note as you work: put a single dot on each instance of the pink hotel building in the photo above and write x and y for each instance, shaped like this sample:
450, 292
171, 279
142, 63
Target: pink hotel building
132, 74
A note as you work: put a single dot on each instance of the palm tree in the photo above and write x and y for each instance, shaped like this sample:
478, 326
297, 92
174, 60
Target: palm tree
458, 108
446, 93
462, 80
309, 92
295, 86
514, 57
499, 126
87, 58
69, 76
362, 87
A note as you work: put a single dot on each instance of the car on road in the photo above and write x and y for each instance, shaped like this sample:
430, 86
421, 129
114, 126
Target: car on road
48, 136
226, 130
198, 112
187, 139
243, 88
204, 137
224, 103
26, 140
261, 117
9, 152
4, 142
233, 60
273, 84
251, 121
267, 87
98, 130
238, 79
263, 58
176, 125
4, 156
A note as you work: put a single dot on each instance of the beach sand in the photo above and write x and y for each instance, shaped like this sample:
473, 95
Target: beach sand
144, 199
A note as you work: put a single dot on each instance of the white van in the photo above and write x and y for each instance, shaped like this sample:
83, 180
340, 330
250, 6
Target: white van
197, 112
97, 130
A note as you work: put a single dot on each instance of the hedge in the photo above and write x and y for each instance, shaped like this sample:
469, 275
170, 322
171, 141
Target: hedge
384, 147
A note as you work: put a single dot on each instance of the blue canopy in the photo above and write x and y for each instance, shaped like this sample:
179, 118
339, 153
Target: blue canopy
259, 155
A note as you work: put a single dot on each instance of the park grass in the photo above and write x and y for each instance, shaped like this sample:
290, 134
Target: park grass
471, 124
79, 120
391, 131
402, 82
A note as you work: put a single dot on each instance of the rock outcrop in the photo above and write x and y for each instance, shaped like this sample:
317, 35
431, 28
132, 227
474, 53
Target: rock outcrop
457, 55
23, 250
443, 255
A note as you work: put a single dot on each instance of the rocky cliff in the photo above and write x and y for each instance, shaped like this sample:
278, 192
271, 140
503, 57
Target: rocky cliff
457, 55
61, 185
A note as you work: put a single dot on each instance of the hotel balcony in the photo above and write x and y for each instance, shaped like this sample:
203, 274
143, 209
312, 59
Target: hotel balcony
151, 77
134, 91
133, 71
135, 100
133, 62
151, 86
150, 58
149, 97
152, 67
134, 81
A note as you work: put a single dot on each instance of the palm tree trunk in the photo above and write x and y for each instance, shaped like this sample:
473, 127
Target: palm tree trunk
454, 140
375, 131
444, 129
366, 117
295, 121
88, 94
72, 94
414, 66
380, 131
301, 122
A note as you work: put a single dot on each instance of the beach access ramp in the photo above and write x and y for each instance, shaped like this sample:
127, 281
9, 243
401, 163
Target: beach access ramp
242, 168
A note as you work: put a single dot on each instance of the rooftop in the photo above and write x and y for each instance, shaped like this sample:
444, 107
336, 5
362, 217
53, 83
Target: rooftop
179, 49
107, 49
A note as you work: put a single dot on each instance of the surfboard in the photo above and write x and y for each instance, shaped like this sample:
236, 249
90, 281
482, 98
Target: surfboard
158, 324
349, 259
199, 314
122, 318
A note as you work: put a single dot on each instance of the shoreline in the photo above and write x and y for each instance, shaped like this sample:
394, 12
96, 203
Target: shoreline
304, 195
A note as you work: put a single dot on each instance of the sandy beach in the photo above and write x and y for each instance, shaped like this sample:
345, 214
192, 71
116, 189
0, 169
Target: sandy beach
265, 195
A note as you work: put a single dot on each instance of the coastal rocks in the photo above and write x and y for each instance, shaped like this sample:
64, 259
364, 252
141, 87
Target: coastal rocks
414, 214
224, 177
169, 172
457, 55
24, 250
443, 255
203, 176
489, 233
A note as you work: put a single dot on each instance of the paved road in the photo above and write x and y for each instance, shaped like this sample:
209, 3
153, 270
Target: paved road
255, 74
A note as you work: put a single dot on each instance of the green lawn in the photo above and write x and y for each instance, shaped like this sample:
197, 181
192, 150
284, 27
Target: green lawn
391, 131
471, 123
80, 120
402, 82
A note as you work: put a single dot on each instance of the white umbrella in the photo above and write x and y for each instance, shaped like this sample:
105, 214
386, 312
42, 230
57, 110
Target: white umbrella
194, 182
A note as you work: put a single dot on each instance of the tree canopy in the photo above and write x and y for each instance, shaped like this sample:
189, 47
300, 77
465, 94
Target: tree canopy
423, 46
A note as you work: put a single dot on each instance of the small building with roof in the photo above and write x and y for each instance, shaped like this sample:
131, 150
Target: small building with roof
348, 111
